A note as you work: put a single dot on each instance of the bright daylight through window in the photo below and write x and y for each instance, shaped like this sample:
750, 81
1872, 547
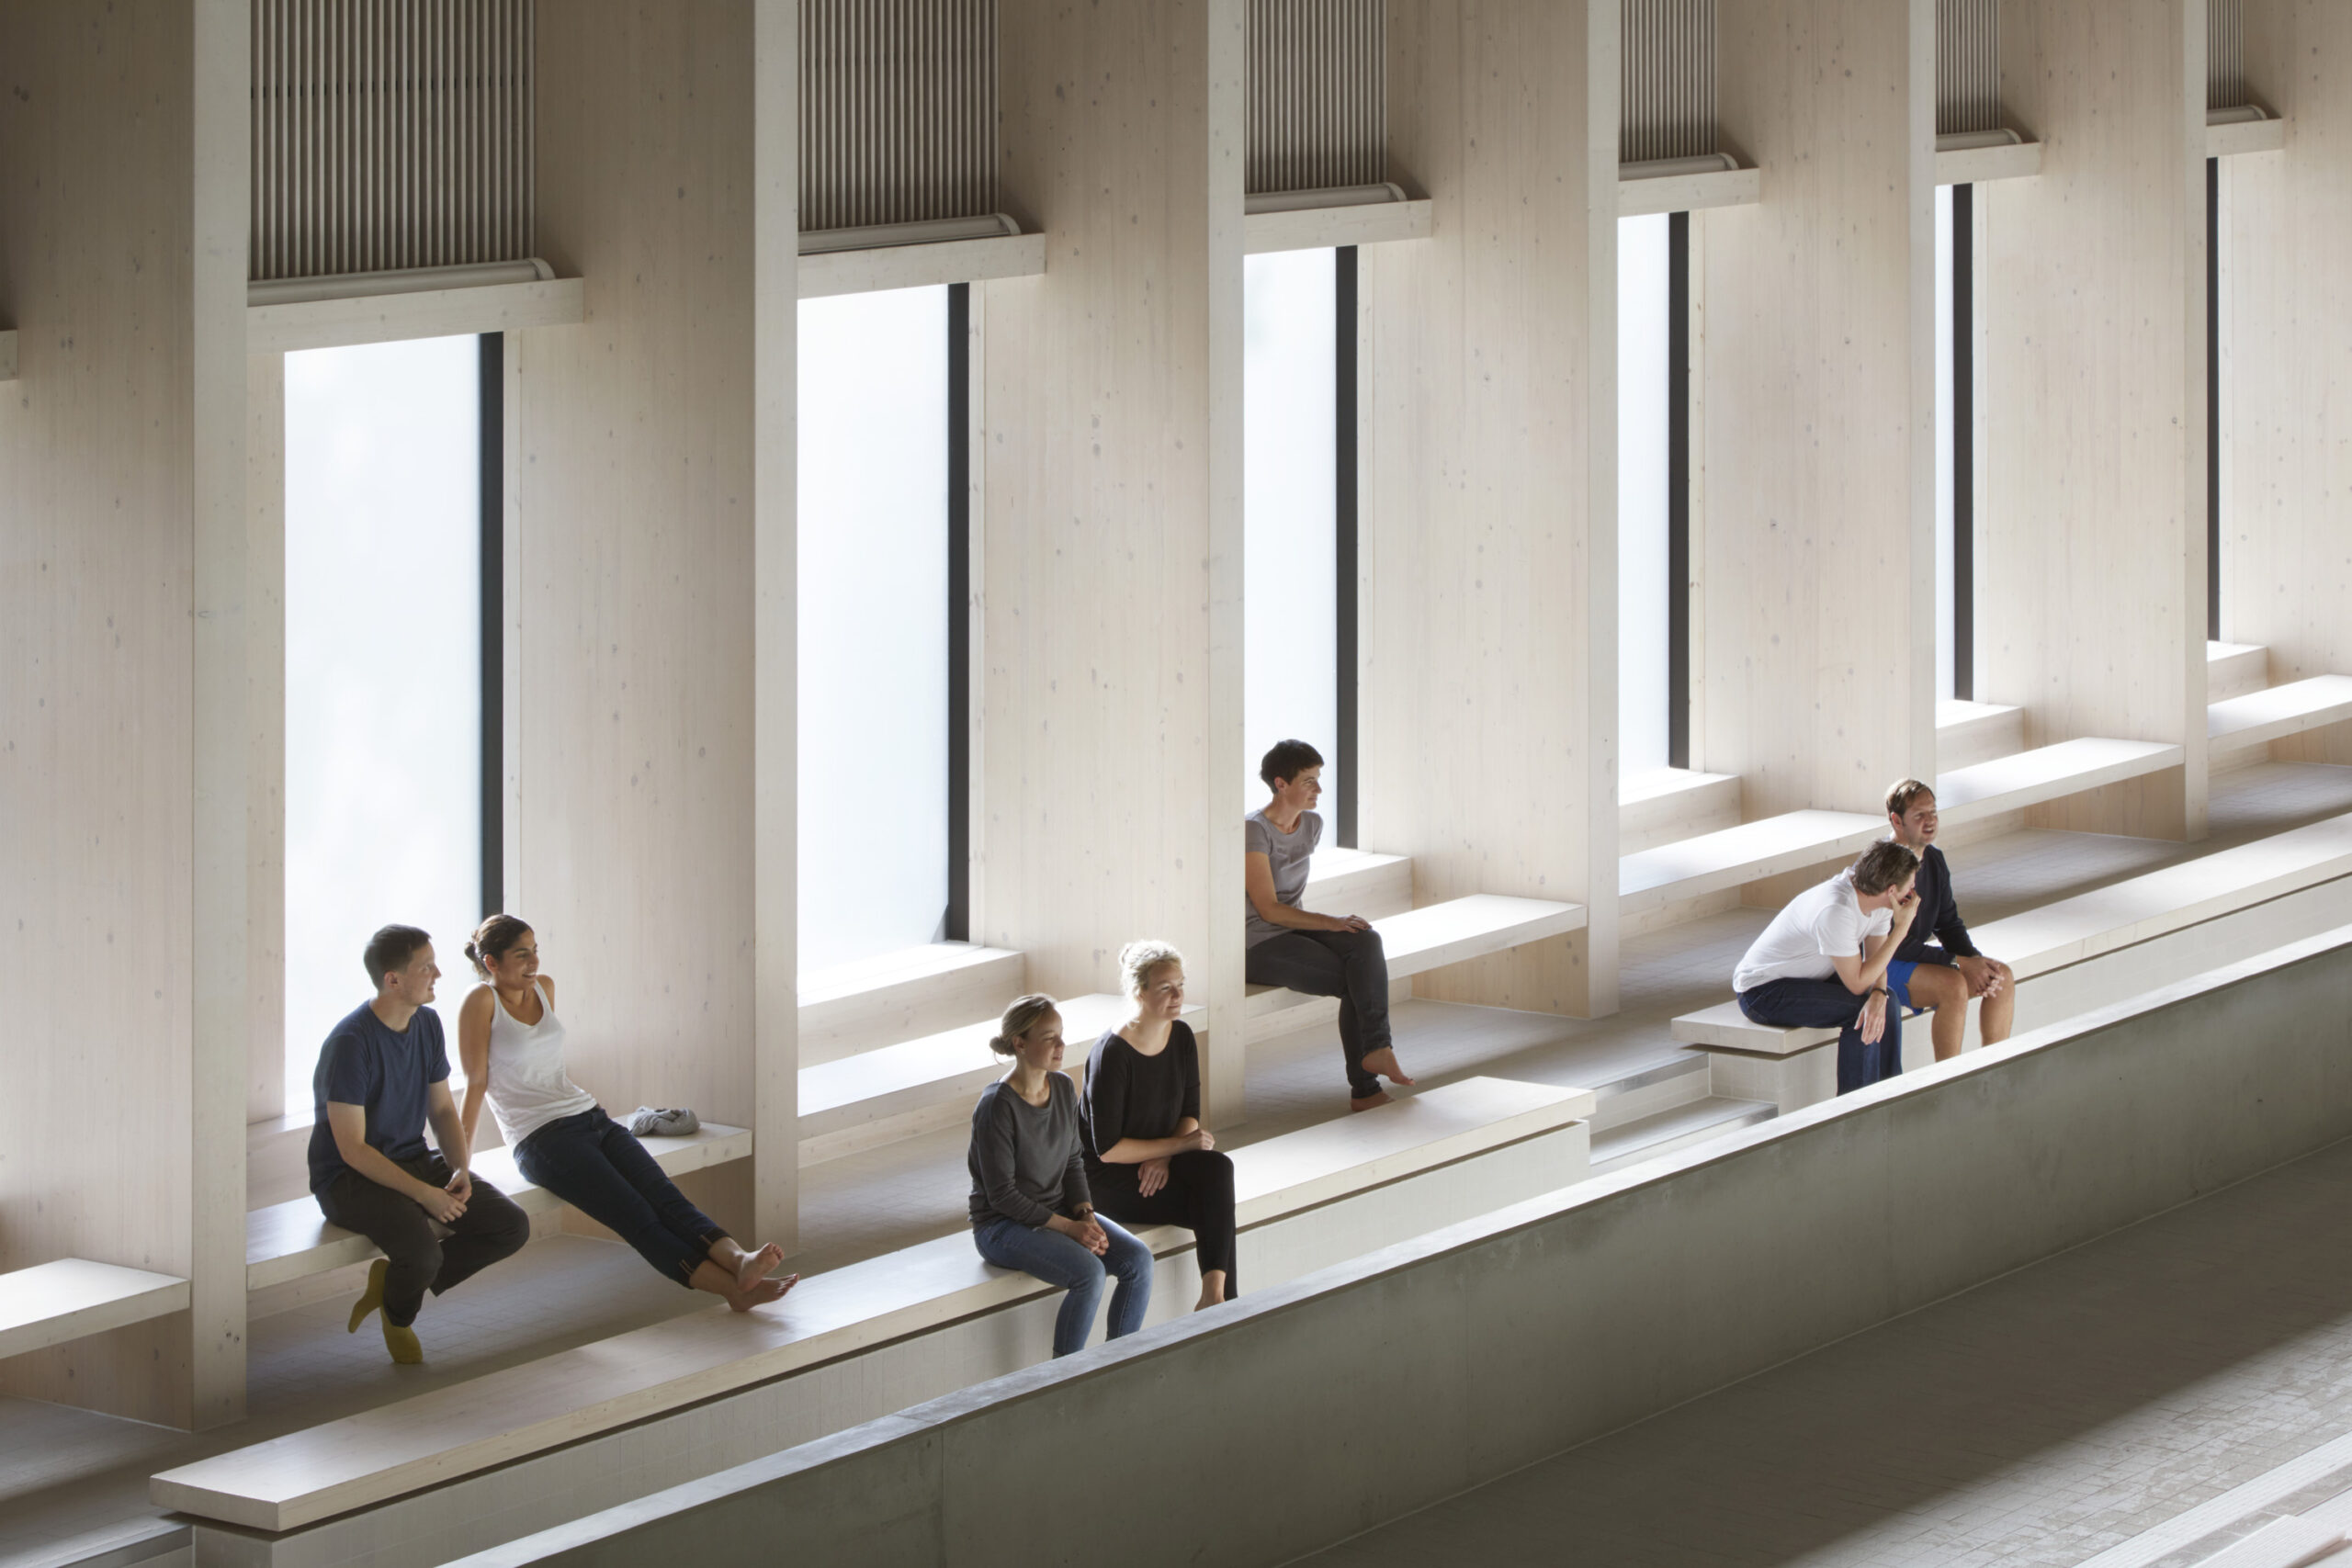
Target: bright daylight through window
1290, 500
1644, 347
874, 698
383, 669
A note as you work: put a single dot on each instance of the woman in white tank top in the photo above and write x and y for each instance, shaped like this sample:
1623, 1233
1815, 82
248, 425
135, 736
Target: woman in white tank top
512, 1046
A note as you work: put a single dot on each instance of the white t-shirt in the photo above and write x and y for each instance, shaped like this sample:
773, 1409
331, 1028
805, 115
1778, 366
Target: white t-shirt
1819, 924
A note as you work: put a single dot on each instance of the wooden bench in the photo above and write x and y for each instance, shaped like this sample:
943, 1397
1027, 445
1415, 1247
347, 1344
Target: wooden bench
2233, 669
291, 1240
921, 1086
51, 1304
1969, 732
1300, 1196
1420, 940
2236, 725
2072, 931
2046, 772
849, 1008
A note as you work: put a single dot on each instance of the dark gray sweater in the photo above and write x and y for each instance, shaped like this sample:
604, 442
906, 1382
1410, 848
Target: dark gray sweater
1025, 1159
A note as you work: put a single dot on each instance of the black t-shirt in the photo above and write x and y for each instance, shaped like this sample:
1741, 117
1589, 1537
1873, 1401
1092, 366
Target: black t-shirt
390, 1075
1130, 1095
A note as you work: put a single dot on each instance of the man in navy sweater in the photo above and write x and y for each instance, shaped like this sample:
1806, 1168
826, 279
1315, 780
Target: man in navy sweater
1938, 969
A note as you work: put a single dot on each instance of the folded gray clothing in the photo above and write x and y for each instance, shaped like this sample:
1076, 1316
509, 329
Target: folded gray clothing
662, 1121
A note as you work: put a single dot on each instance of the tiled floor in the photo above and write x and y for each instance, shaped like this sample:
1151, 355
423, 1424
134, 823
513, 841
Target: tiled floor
65, 1472
2038, 1419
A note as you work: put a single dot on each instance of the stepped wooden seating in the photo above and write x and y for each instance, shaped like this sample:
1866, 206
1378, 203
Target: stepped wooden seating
1969, 732
1420, 940
918, 1086
2233, 669
2046, 772
52, 1304
2073, 930
291, 1240
2236, 725
1287, 1187
915, 991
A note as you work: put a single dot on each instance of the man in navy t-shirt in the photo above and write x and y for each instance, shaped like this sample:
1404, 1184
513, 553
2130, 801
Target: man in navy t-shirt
383, 1071
1938, 969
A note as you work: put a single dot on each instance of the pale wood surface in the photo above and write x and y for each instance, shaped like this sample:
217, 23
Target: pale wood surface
2089, 924
433, 312
901, 996
1713, 862
1488, 599
2246, 136
633, 637
2231, 670
2090, 527
1820, 393
1112, 675
2276, 712
1316, 227
2287, 359
1667, 803
266, 1083
294, 1480
285, 1241
98, 503
1691, 193
1358, 882
914, 267
1428, 938
1969, 732
50, 1303
2046, 772
1975, 165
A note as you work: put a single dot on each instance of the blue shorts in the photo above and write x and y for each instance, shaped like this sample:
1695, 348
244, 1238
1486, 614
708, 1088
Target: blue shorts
1898, 977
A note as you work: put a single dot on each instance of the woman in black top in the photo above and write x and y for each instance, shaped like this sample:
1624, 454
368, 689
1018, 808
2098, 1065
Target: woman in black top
1148, 1159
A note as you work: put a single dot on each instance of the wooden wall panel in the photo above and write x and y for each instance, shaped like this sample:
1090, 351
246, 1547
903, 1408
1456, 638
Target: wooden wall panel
633, 842
2287, 572
265, 1083
2090, 565
124, 304
1819, 381
1489, 673
1110, 797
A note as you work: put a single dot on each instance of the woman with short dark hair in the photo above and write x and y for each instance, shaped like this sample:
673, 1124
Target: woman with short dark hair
512, 1046
1148, 1159
1030, 1204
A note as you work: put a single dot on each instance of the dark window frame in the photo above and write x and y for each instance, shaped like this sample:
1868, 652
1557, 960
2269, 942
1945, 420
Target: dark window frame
1347, 563
956, 925
491, 436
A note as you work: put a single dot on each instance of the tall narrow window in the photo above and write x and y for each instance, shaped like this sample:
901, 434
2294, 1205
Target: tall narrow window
1955, 445
1644, 354
874, 709
1290, 501
2217, 343
384, 667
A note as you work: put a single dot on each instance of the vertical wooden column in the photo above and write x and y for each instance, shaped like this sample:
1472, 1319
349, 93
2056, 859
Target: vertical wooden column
1818, 381
2288, 369
220, 992
2090, 596
1488, 678
266, 1087
1112, 673
639, 684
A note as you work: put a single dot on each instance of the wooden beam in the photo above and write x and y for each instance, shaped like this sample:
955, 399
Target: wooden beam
1319, 228
432, 313
914, 267
1690, 193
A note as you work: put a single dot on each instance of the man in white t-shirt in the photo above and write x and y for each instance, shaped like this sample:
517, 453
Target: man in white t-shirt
1822, 962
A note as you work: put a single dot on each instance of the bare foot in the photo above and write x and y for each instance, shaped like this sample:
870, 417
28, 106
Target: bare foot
757, 1266
1384, 1062
1378, 1097
760, 1295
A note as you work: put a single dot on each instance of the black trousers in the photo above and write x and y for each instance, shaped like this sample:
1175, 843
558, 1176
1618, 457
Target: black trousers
491, 1229
1351, 965
1199, 1197
1827, 1004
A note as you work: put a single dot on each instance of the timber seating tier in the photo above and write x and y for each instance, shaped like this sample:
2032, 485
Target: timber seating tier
848, 1007
2237, 723
2071, 929
292, 1240
2233, 669
51, 1304
2046, 772
1358, 882
1459, 929
1968, 733
1659, 806
298, 1479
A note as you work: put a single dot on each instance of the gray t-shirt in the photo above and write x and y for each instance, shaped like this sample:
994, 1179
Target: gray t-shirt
1026, 1162
1288, 853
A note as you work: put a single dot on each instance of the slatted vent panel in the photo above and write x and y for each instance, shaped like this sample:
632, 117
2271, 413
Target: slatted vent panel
1318, 88
390, 134
2225, 54
1669, 80
1968, 65
898, 111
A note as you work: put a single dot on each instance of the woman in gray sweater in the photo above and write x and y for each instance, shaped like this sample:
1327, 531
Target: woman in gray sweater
1031, 1210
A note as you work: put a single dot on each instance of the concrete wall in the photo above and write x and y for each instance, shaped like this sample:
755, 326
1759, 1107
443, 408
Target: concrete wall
1513, 1337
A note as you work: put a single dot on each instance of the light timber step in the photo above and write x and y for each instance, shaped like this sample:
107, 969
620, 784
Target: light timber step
51, 1304
1663, 805
1358, 882
2239, 724
1734, 856
1421, 939
2233, 669
2046, 772
1968, 733
848, 1007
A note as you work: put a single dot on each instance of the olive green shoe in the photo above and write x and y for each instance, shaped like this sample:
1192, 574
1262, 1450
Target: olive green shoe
372, 1297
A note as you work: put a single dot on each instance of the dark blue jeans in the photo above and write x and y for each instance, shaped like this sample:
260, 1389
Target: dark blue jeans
1351, 965
1827, 1004
1048, 1255
592, 1163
